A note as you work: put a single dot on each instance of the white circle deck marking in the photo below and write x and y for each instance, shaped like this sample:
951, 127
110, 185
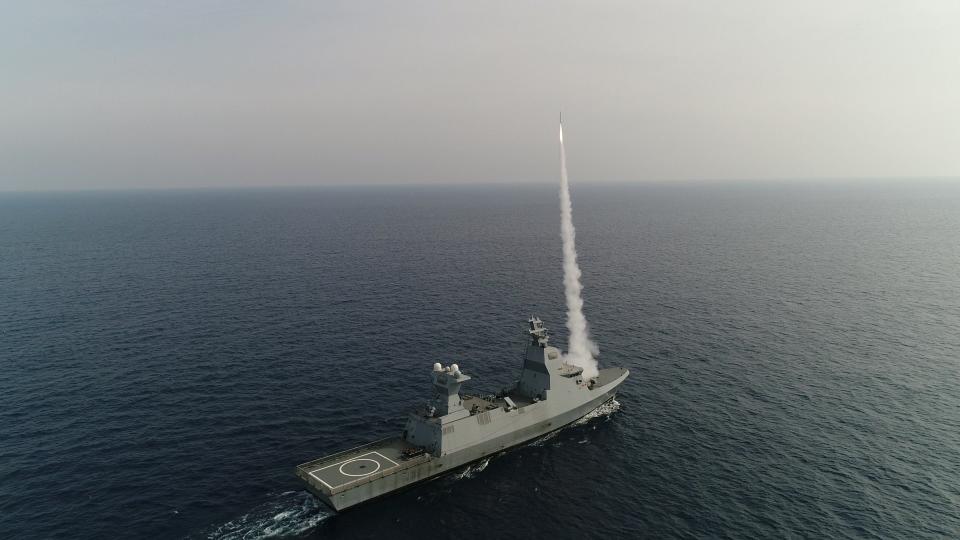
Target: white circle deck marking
345, 463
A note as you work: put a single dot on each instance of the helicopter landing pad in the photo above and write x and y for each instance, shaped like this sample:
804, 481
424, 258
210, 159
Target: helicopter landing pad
352, 469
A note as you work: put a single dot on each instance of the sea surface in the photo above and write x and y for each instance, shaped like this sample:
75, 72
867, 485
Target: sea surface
168, 357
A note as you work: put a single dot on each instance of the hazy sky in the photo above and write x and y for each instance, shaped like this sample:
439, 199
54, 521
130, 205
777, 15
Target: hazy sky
202, 93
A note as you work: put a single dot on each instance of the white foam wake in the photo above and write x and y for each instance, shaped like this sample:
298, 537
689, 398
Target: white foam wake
473, 470
291, 513
542, 440
602, 411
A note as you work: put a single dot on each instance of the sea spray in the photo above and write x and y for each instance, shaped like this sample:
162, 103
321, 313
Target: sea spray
581, 350
288, 515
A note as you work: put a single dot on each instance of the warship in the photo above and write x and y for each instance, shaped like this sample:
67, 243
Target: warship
454, 430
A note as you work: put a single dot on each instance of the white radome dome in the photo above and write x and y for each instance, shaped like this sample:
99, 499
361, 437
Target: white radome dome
437, 366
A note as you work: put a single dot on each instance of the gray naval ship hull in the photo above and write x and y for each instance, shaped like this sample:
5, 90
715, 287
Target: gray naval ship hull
455, 431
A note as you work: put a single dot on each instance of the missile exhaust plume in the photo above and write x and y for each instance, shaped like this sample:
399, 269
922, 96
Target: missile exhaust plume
581, 350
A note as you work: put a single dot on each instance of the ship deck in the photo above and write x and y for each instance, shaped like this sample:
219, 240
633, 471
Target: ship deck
337, 472
609, 375
479, 404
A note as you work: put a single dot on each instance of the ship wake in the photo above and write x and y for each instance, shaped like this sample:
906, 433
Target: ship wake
290, 514
603, 411
473, 470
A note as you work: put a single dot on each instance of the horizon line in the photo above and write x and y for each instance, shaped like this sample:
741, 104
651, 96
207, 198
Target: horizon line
218, 187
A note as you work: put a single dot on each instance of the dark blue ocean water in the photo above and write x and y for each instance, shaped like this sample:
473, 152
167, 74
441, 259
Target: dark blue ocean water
167, 358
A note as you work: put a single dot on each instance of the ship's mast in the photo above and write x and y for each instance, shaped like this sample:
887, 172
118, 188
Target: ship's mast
446, 388
538, 332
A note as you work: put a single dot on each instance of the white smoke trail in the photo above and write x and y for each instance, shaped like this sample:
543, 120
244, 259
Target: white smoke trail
581, 349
